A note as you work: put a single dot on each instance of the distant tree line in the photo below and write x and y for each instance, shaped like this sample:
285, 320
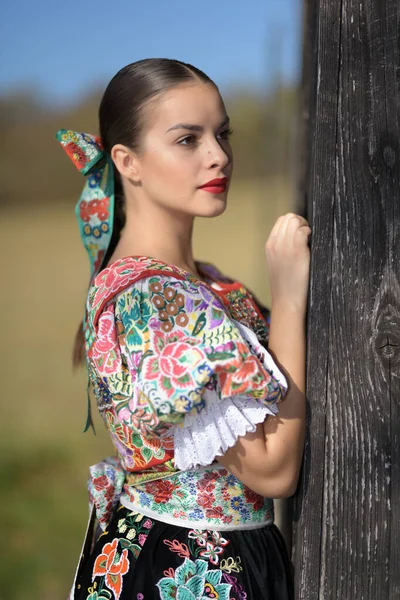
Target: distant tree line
33, 168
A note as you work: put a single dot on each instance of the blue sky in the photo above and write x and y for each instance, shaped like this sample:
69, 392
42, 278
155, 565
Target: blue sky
64, 49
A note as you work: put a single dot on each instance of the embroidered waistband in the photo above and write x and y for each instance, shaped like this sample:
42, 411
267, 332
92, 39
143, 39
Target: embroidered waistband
183, 522
206, 498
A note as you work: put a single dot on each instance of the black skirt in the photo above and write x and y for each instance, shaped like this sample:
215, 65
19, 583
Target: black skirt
139, 558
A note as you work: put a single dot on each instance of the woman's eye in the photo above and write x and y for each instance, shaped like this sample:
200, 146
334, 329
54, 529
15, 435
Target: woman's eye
226, 134
190, 139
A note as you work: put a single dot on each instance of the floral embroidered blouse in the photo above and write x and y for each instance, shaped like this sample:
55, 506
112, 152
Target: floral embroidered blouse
180, 369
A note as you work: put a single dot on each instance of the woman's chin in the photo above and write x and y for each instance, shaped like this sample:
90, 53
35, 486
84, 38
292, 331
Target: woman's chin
213, 208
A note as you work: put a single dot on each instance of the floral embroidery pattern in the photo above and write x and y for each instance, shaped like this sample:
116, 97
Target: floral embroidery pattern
161, 346
231, 564
105, 486
170, 306
189, 564
81, 148
200, 498
174, 364
193, 581
243, 305
95, 207
114, 560
180, 548
205, 498
171, 366
236, 586
112, 566
106, 354
211, 542
157, 338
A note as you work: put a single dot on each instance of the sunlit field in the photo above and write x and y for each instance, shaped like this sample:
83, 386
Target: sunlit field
44, 455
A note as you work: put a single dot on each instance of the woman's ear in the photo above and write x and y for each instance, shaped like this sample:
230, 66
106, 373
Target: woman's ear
126, 162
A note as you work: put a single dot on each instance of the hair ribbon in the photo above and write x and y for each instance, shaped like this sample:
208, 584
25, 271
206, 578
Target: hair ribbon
95, 208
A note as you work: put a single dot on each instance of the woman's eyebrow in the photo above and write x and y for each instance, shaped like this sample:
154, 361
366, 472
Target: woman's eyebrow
199, 128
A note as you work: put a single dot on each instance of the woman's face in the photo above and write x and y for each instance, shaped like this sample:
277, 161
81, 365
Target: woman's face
176, 160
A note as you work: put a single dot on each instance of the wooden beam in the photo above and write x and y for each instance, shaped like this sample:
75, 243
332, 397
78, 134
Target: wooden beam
347, 515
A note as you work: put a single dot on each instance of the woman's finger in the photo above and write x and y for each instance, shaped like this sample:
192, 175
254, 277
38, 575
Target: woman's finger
276, 227
292, 224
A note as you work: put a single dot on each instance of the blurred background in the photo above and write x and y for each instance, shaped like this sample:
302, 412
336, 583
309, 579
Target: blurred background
56, 59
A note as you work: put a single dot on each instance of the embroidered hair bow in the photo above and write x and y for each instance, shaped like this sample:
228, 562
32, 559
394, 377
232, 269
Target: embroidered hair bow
95, 208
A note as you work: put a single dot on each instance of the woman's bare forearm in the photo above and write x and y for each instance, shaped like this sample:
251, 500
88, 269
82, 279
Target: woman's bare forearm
284, 434
268, 460
287, 340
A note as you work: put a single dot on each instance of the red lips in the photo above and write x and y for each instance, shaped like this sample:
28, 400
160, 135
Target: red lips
221, 182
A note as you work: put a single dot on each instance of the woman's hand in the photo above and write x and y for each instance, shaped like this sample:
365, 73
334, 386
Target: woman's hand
288, 261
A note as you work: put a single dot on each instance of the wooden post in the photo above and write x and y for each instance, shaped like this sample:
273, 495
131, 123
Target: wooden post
347, 513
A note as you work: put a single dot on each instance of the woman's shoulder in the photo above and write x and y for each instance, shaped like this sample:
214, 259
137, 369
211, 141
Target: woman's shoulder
170, 293
124, 273
242, 302
152, 314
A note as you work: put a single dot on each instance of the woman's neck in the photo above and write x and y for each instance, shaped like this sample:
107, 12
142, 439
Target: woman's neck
159, 237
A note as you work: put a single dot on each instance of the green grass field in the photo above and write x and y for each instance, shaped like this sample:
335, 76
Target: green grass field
44, 457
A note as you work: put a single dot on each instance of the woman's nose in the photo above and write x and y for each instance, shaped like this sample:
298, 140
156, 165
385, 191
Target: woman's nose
217, 155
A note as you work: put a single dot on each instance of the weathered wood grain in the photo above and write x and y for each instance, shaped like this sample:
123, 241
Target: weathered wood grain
390, 328
347, 514
306, 107
320, 200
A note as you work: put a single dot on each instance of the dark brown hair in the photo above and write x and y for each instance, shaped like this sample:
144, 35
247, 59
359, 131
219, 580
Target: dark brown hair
122, 121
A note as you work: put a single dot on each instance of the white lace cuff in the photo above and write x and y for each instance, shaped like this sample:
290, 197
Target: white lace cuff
216, 428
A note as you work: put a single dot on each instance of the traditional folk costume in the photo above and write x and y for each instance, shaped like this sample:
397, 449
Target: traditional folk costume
180, 369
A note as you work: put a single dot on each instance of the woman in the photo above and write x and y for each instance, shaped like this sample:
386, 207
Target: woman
177, 355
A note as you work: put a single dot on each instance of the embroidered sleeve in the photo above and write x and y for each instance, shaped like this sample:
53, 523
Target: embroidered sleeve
176, 350
217, 428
